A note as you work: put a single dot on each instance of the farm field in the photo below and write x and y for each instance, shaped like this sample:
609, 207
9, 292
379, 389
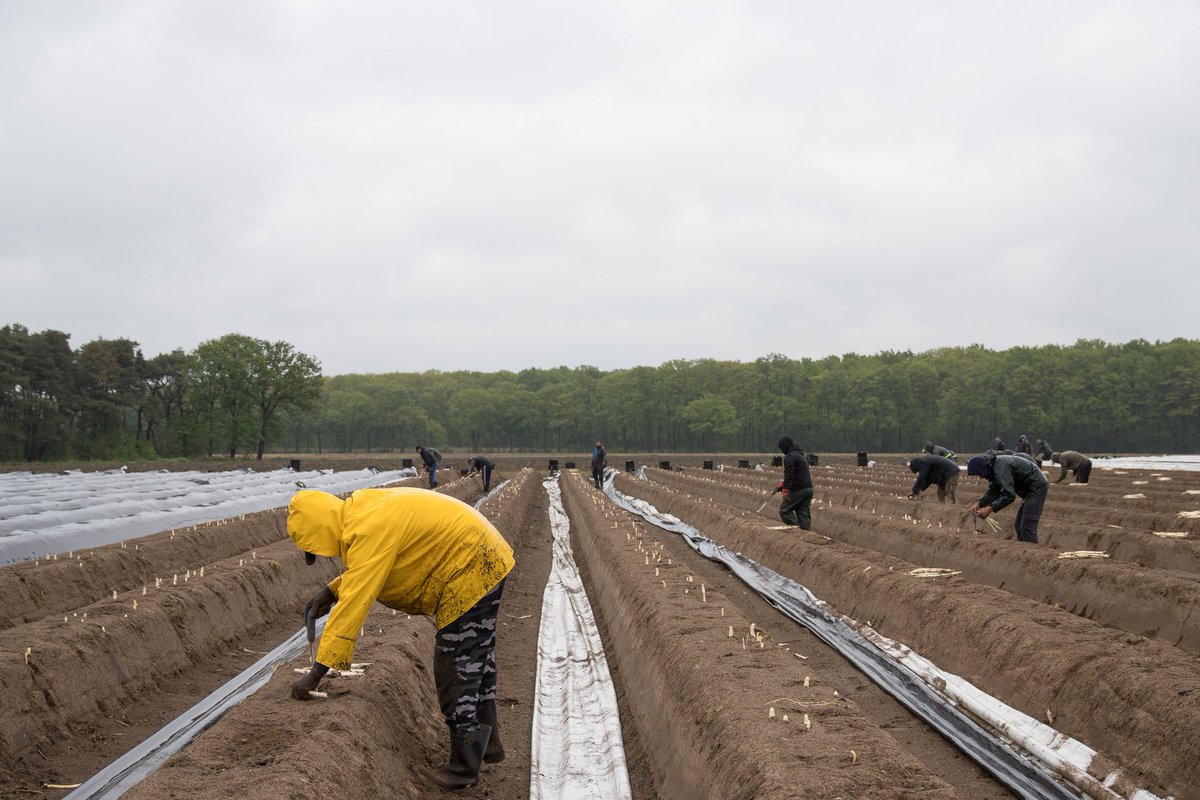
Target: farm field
720, 694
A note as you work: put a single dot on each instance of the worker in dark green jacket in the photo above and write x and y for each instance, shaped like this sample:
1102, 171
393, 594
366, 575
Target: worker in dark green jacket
1010, 477
1042, 451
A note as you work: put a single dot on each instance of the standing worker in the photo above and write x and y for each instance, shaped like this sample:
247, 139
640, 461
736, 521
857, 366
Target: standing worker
431, 458
1079, 465
938, 450
797, 486
1042, 452
421, 553
484, 467
1023, 445
599, 462
933, 470
1010, 477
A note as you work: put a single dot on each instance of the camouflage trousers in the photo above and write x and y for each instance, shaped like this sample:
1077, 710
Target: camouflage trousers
464, 662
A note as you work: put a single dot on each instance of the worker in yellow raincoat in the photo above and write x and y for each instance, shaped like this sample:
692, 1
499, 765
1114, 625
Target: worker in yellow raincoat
419, 552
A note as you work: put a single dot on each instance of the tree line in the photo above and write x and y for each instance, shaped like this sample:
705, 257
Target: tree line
1091, 396
237, 394
105, 400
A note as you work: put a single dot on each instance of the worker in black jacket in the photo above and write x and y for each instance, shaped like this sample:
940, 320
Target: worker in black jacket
933, 470
484, 467
429, 457
1010, 477
599, 462
797, 486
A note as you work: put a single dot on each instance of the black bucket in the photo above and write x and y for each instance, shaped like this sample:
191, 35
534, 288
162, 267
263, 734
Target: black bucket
811, 458
570, 465
743, 463
664, 465
553, 465
406, 462
295, 465
708, 465
862, 459
629, 466
777, 461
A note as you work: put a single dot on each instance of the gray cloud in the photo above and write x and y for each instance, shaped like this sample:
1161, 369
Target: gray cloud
533, 184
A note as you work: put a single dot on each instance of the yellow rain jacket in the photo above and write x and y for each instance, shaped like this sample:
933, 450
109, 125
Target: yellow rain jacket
413, 550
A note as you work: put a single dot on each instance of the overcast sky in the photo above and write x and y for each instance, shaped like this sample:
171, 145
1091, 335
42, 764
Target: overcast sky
412, 186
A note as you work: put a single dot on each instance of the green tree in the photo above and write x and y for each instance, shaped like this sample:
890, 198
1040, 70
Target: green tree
710, 416
280, 379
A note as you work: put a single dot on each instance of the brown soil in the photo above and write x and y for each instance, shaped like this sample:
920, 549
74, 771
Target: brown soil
1135, 699
694, 704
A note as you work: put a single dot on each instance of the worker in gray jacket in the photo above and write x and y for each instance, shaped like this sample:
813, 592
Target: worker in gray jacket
934, 470
1010, 477
938, 450
1078, 464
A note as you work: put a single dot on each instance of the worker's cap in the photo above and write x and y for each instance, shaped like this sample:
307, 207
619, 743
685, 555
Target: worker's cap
310, 558
977, 466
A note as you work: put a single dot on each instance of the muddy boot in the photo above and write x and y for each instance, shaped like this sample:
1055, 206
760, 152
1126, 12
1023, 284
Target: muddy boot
466, 755
487, 716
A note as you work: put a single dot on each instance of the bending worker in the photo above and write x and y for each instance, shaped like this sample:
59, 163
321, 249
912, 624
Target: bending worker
421, 553
1010, 477
1078, 464
430, 458
484, 467
938, 450
797, 486
933, 470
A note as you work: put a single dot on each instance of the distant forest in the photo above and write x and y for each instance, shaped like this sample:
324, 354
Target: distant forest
236, 394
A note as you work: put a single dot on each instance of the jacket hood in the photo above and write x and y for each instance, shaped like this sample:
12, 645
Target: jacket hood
315, 522
786, 445
980, 466
916, 464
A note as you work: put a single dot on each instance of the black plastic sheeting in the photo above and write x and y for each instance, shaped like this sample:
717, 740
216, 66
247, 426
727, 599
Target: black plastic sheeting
124, 773
1021, 774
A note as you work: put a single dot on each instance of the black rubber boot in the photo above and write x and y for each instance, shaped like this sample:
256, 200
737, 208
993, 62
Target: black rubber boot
487, 716
466, 756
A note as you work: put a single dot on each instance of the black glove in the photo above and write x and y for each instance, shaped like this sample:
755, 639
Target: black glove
308, 682
317, 607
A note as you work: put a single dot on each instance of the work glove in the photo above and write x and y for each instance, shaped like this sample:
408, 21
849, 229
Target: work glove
778, 488
317, 607
783, 493
308, 682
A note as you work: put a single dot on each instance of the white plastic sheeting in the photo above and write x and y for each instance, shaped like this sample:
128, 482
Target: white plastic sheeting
484, 499
577, 751
1186, 463
52, 513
